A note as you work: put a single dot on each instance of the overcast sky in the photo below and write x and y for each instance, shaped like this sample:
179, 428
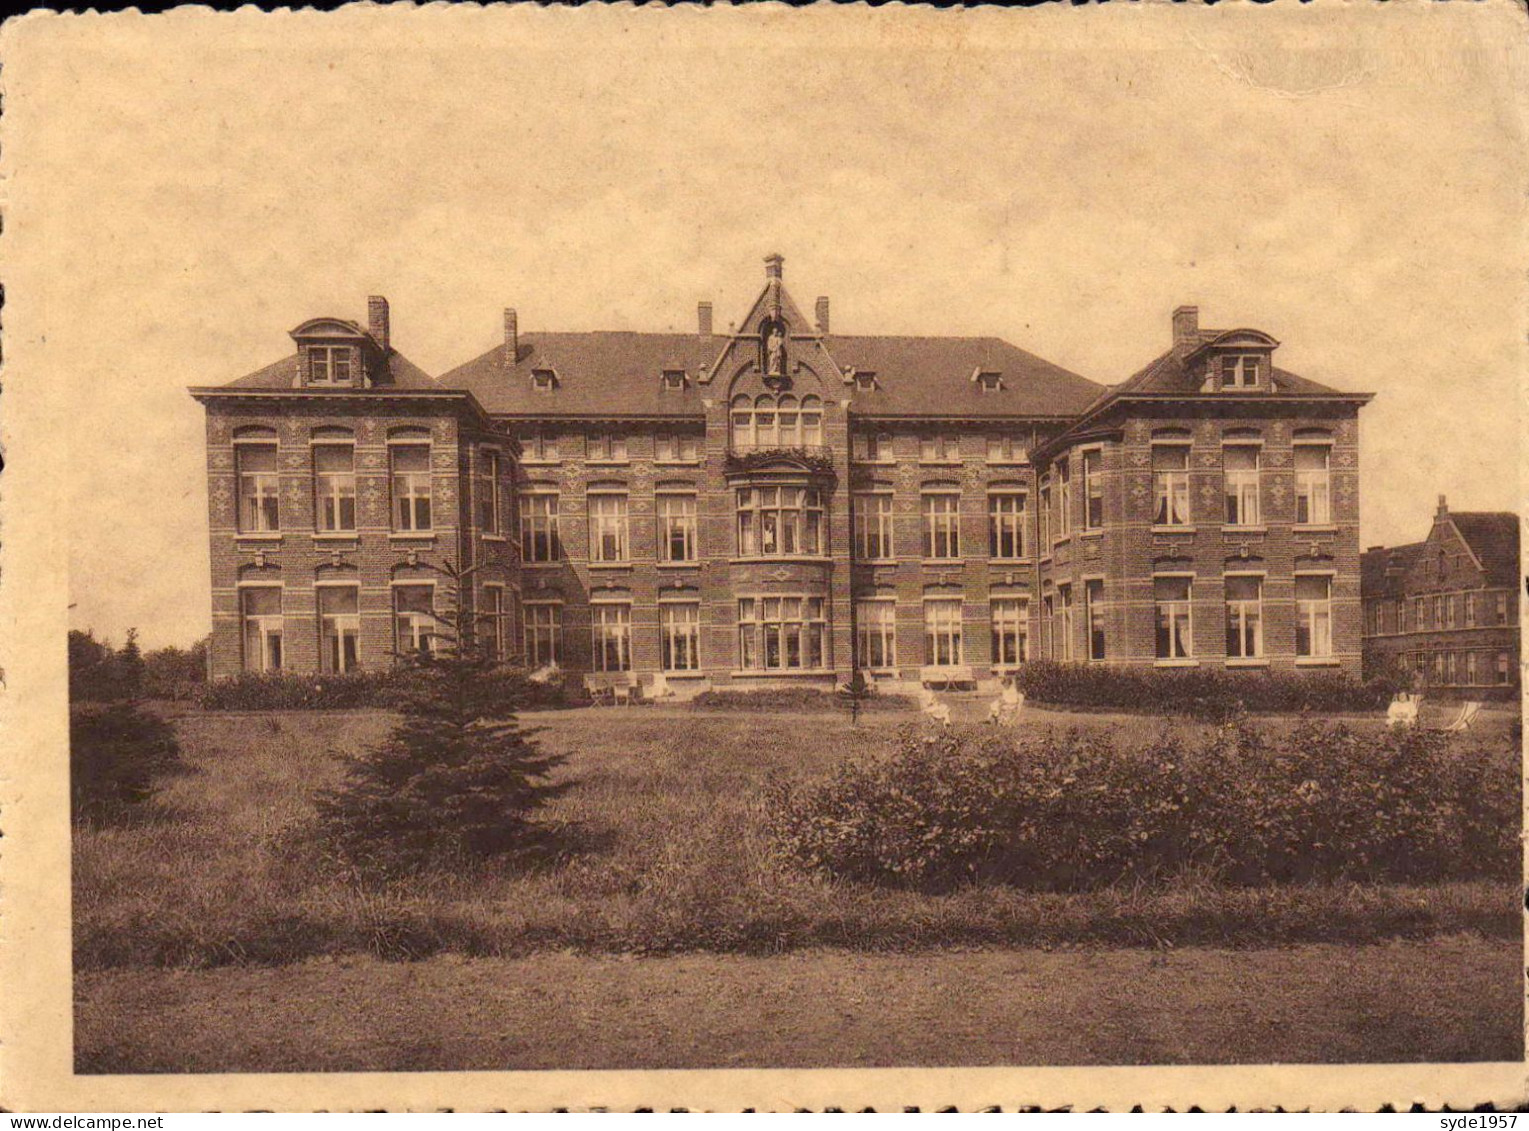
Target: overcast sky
213, 182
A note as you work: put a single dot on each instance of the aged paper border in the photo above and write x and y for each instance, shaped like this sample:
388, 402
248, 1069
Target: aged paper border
35, 1028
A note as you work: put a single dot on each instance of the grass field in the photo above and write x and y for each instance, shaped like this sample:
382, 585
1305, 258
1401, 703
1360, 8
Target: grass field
663, 852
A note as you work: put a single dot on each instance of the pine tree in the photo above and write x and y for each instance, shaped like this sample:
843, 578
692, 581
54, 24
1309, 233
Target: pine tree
458, 775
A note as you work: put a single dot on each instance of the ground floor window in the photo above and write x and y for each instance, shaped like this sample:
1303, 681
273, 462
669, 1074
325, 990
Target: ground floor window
1504, 668
876, 634
491, 621
1244, 618
1472, 668
1175, 618
1314, 617
543, 634
1064, 622
781, 633
260, 610
679, 624
611, 631
1011, 631
339, 628
942, 632
1093, 600
414, 624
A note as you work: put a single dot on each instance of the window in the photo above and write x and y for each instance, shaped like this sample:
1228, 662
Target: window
488, 493
939, 447
491, 621
543, 633
781, 633
942, 525
1502, 608
1175, 624
329, 365
1170, 484
942, 632
260, 609
876, 634
610, 627
1472, 668
1470, 610
1314, 617
1007, 449
539, 446
676, 528
776, 422
1006, 525
607, 528
1438, 612
339, 627
334, 486
674, 378
1241, 464
1093, 490
411, 486
779, 521
677, 447
1239, 371
413, 619
1504, 669
873, 447
544, 380
539, 540
1419, 608
1093, 610
1064, 622
1011, 631
873, 527
1064, 498
606, 447
1438, 667
679, 627
1312, 500
1451, 668
259, 489
1045, 514
1449, 611
989, 381
1244, 618
1048, 629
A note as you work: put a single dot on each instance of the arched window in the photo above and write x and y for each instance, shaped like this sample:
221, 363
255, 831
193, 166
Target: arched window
768, 421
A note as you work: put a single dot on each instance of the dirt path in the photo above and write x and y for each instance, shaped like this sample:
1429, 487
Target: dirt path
1446, 999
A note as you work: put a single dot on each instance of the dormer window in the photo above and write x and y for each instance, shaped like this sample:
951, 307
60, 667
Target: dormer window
988, 380
544, 380
674, 379
1240, 371
864, 379
329, 365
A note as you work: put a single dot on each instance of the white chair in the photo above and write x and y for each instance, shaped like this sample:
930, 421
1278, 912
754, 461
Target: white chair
933, 708
1403, 711
1467, 716
1006, 708
547, 673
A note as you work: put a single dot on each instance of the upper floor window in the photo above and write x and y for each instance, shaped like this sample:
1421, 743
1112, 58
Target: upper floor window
334, 484
411, 482
539, 540
939, 447
676, 528
677, 447
873, 447
1313, 495
539, 446
1470, 610
873, 526
1093, 490
1043, 512
544, 380
769, 421
1502, 608
1006, 525
1170, 484
607, 447
259, 486
989, 381
488, 493
1241, 470
329, 365
780, 521
608, 535
1007, 448
1239, 371
1064, 497
942, 524
674, 379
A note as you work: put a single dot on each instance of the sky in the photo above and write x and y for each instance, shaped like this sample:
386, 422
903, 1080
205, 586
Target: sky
200, 183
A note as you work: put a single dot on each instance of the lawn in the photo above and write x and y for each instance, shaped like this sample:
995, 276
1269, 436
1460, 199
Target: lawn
662, 852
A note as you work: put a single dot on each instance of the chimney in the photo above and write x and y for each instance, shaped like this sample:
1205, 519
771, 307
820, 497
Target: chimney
822, 314
1443, 507
703, 319
377, 320
773, 264
511, 336
1186, 326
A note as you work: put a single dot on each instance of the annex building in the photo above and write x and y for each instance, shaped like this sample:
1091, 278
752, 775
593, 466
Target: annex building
1445, 610
782, 503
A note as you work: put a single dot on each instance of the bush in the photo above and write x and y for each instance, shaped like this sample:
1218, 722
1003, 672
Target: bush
1213, 696
117, 756
792, 699
289, 691
1076, 811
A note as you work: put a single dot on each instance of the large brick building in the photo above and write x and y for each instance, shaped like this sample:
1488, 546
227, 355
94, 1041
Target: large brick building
1445, 610
781, 502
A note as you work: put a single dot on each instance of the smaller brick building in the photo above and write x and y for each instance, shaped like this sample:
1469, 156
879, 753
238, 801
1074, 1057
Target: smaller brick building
1445, 610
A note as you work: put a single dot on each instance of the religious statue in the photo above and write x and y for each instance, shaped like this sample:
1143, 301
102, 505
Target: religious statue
775, 350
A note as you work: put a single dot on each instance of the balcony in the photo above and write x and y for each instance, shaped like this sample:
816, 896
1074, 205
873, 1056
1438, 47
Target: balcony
816, 460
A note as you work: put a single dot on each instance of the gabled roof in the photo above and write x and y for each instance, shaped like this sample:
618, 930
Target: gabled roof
1166, 374
1383, 569
399, 373
1493, 538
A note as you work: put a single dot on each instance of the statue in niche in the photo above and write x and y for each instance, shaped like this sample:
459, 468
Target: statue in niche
774, 332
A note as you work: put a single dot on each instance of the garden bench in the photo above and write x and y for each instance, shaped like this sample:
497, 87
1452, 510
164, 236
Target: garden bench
947, 675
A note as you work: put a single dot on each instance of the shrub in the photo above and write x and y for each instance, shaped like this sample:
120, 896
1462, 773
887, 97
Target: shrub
792, 699
289, 691
1213, 696
1064, 812
117, 755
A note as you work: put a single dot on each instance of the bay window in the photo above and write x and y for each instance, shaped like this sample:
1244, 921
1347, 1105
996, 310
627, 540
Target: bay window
781, 633
776, 422
780, 521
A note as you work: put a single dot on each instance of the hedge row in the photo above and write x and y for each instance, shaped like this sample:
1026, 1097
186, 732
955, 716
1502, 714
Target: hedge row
289, 691
1201, 692
1245, 804
793, 699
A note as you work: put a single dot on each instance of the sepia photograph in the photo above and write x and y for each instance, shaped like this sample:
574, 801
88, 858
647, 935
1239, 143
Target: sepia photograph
760, 539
